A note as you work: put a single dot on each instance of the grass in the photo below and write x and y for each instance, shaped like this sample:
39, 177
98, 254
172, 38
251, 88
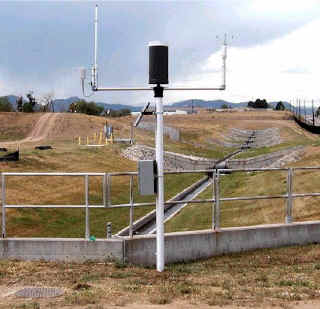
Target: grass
15, 126
258, 278
70, 191
278, 277
255, 212
70, 157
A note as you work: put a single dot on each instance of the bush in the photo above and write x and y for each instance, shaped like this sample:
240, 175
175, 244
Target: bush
120, 112
5, 105
89, 108
258, 104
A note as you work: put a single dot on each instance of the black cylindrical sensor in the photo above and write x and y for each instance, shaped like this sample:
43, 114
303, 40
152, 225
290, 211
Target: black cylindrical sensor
158, 63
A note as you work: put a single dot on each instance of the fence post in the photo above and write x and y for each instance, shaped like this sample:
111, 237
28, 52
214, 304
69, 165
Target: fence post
289, 198
86, 179
104, 190
131, 208
107, 190
217, 200
214, 200
3, 197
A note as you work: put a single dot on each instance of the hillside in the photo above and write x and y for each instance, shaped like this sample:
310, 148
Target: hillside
201, 134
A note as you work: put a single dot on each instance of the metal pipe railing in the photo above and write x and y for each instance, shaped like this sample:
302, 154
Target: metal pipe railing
107, 203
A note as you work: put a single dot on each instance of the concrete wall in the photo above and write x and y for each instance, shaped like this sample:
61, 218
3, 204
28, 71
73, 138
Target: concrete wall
179, 247
61, 249
264, 160
176, 161
188, 246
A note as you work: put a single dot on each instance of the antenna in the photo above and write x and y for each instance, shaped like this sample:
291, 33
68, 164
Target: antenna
94, 79
224, 58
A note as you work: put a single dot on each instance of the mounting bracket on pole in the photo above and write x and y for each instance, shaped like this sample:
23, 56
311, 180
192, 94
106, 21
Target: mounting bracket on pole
143, 112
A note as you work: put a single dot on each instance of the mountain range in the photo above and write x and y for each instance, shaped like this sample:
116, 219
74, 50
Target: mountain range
62, 105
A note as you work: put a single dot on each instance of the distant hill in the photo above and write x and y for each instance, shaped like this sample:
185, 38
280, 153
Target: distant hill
62, 105
208, 104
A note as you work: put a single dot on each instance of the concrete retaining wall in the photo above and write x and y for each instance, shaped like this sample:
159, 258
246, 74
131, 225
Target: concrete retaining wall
265, 160
176, 161
188, 246
179, 247
61, 249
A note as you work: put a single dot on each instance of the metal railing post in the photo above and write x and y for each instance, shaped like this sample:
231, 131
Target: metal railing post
104, 189
213, 198
131, 208
289, 198
3, 197
86, 184
217, 200
107, 190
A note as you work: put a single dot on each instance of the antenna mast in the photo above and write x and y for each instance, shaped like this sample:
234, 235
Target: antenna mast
224, 58
94, 81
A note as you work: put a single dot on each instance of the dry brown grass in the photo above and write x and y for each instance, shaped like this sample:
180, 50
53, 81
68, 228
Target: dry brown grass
278, 277
15, 126
255, 279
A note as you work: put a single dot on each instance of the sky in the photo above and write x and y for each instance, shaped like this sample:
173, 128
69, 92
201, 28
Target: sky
273, 47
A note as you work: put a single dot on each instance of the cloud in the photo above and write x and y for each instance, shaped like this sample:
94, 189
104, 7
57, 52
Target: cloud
268, 70
42, 41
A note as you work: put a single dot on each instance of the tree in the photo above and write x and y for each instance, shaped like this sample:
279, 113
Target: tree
84, 107
5, 105
280, 106
47, 102
28, 107
317, 112
224, 106
20, 104
258, 103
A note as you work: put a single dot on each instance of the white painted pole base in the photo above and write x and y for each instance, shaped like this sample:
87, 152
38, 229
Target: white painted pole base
160, 193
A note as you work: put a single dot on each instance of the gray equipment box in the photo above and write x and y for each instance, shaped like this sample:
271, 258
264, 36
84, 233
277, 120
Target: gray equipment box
146, 175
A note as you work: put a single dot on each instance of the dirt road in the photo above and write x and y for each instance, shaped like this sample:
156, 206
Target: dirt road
39, 132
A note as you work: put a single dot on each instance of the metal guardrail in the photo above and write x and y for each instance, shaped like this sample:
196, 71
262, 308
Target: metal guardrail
106, 196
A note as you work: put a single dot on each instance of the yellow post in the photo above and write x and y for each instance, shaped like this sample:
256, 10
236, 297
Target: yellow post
100, 138
88, 140
111, 138
79, 140
106, 141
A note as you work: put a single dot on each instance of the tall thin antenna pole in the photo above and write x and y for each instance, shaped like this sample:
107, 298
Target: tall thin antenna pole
95, 66
224, 58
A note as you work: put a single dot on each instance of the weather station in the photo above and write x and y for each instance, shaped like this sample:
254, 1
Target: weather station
158, 81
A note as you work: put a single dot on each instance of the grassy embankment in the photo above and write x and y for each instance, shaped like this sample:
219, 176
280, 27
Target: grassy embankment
70, 157
244, 213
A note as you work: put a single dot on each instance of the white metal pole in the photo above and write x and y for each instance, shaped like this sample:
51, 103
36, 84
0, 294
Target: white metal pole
160, 193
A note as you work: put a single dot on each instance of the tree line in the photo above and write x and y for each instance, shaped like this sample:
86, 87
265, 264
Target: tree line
46, 104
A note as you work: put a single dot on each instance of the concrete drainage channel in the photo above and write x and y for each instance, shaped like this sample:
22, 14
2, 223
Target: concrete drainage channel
147, 224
